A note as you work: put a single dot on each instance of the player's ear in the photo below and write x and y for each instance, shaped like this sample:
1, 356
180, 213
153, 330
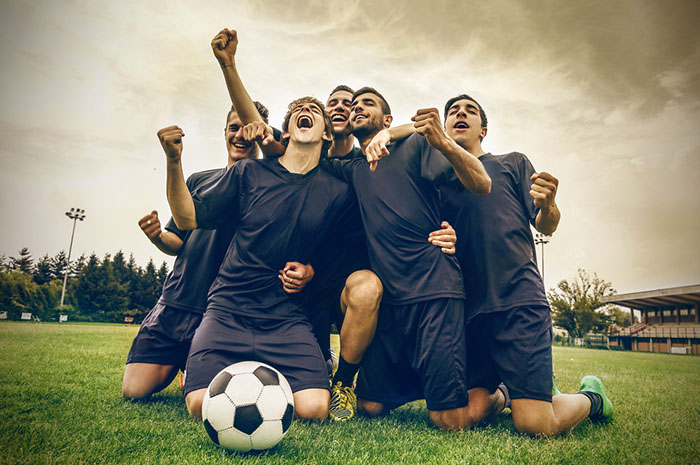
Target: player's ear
387, 120
483, 132
285, 135
327, 137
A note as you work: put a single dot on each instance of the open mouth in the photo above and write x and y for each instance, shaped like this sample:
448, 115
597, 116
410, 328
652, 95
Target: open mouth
338, 118
239, 144
359, 118
461, 125
305, 121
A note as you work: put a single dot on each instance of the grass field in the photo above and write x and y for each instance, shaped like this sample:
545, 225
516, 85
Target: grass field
60, 403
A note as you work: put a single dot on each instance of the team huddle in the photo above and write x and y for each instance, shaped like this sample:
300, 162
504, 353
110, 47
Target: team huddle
416, 245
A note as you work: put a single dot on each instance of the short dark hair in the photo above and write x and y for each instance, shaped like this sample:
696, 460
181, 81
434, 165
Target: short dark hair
342, 87
370, 90
328, 125
262, 110
482, 113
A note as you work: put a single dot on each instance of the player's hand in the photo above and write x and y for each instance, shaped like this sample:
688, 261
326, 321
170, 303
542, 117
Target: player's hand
543, 190
295, 276
258, 131
224, 45
171, 140
150, 225
446, 238
427, 122
376, 149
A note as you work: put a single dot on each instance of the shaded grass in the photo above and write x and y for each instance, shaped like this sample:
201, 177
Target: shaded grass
60, 404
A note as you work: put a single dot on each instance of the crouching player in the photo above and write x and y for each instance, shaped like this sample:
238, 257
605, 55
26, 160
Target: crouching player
161, 346
509, 329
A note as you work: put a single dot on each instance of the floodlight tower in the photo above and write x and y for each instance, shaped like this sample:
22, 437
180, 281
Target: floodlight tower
74, 214
542, 239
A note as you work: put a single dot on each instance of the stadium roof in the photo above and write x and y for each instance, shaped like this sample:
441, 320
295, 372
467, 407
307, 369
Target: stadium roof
686, 296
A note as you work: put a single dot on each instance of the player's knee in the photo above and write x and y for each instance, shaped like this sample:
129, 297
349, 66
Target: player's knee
363, 291
134, 389
371, 409
193, 400
312, 409
453, 420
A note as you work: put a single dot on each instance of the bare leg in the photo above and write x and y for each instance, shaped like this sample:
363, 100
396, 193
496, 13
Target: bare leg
143, 379
360, 302
312, 404
538, 417
370, 408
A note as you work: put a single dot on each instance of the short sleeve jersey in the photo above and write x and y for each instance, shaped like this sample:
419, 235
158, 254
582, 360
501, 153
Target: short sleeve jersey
199, 258
278, 217
494, 240
400, 205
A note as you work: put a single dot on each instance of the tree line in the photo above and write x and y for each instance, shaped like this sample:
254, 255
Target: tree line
105, 290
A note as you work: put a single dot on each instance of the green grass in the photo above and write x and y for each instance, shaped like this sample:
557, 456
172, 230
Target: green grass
60, 403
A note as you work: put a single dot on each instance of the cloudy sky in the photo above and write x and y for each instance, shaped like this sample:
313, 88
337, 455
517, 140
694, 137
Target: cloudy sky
604, 95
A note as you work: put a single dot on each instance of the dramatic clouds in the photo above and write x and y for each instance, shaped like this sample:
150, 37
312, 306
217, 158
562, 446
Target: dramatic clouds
605, 95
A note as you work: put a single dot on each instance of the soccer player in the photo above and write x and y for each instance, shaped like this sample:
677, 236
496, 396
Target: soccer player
509, 332
163, 341
280, 207
419, 349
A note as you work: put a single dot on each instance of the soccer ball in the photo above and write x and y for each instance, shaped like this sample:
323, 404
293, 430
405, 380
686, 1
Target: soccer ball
248, 405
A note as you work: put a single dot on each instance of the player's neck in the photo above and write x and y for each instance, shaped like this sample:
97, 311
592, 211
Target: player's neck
474, 149
301, 158
342, 145
366, 140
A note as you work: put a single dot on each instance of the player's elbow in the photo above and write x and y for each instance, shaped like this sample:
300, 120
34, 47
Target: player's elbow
482, 186
185, 223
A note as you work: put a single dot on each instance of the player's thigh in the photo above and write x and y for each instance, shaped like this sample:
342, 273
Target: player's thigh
522, 351
362, 288
439, 356
532, 416
144, 378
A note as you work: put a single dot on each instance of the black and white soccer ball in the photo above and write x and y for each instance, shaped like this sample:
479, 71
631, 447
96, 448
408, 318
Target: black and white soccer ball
248, 405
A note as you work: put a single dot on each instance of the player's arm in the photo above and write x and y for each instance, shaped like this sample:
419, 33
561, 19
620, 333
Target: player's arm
224, 46
178, 194
264, 135
166, 241
376, 149
469, 169
543, 192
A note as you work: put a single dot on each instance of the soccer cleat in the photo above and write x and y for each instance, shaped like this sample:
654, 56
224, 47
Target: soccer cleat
183, 374
593, 384
555, 389
342, 400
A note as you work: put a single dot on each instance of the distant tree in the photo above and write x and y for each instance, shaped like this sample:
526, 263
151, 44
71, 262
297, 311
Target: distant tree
43, 270
576, 305
77, 265
619, 317
24, 262
59, 264
5, 263
147, 288
162, 274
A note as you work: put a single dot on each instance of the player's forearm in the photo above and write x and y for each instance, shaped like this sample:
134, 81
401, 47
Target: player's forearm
239, 95
547, 220
469, 169
167, 242
179, 198
272, 149
401, 132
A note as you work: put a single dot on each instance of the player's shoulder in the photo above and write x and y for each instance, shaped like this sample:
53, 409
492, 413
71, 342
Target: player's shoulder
200, 177
511, 158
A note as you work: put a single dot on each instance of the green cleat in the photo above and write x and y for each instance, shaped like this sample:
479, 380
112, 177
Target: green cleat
555, 389
593, 384
342, 399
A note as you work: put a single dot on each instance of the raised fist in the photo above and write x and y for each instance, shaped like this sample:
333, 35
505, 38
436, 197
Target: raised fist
224, 45
171, 140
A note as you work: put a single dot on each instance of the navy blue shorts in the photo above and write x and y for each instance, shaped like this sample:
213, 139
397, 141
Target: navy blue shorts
164, 336
515, 347
417, 352
225, 338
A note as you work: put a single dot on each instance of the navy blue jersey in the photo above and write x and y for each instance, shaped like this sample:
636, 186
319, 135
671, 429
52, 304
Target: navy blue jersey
494, 239
400, 205
198, 260
278, 217
340, 257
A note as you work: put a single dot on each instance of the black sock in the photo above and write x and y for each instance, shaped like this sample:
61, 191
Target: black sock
502, 387
596, 403
346, 372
